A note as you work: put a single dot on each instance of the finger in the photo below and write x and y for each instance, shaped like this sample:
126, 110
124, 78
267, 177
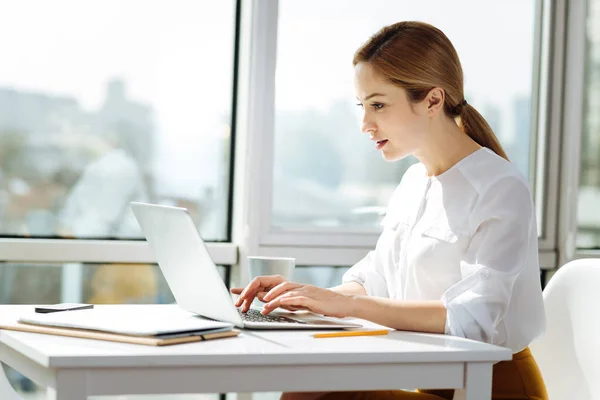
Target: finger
237, 290
289, 301
281, 289
260, 283
248, 290
239, 301
298, 301
273, 304
246, 305
292, 308
261, 296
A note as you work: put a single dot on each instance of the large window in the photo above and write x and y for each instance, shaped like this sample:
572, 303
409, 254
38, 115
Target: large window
326, 172
105, 102
588, 213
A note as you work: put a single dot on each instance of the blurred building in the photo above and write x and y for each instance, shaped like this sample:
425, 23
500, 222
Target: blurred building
47, 143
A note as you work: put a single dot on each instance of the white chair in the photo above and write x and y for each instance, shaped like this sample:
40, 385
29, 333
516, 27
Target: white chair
7, 392
568, 353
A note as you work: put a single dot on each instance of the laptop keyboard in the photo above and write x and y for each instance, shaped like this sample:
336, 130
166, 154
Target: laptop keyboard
254, 315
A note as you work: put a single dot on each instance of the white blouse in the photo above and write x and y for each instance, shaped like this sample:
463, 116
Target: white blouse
467, 237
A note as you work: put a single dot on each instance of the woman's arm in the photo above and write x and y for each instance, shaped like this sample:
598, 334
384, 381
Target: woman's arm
422, 316
350, 288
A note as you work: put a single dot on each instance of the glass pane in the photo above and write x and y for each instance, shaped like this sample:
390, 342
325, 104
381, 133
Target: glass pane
588, 216
326, 172
322, 276
110, 102
87, 283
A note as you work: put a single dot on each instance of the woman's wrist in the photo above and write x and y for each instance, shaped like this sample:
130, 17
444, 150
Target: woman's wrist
355, 306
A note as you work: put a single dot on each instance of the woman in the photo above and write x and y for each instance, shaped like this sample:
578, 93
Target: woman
458, 254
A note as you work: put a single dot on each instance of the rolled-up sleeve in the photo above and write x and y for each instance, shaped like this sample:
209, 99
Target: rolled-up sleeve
370, 272
365, 273
500, 249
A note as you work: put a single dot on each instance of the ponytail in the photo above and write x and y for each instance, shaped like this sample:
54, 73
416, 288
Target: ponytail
473, 124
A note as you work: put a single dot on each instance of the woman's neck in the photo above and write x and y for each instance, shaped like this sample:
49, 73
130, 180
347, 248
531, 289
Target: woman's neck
444, 146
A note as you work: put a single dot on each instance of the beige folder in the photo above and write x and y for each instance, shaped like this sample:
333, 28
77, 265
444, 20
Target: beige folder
111, 337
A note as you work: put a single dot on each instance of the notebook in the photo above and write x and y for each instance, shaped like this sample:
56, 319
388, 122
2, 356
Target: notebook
126, 321
150, 325
144, 340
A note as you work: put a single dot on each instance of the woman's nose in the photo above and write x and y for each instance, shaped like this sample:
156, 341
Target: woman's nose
367, 126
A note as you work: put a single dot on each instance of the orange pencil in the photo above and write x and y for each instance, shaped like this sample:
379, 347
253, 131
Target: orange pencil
351, 333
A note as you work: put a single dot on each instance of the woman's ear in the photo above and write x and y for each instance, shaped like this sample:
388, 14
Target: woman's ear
435, 100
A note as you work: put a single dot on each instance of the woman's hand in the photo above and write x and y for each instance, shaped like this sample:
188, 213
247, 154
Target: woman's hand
308, 297
260, 287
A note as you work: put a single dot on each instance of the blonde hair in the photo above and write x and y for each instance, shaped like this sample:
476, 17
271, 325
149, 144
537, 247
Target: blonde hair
419, 57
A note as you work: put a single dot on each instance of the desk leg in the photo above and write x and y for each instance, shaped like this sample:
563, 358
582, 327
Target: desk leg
6, 390
478, 382
69, 385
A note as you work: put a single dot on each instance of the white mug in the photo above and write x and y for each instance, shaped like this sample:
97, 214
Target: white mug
262, 266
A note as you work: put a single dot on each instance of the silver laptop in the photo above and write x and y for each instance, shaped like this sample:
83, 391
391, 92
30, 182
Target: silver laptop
194, 279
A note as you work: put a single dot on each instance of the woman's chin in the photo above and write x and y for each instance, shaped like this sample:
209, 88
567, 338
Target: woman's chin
393, 155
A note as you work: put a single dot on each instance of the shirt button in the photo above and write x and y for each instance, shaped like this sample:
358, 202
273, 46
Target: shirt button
485, 274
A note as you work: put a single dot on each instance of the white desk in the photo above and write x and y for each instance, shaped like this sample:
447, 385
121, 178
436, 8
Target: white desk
256, 361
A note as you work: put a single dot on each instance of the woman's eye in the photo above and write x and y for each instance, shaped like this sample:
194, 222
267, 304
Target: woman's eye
377, 106
360, 105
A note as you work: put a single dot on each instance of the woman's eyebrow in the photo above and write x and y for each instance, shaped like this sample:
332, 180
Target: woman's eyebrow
373, 95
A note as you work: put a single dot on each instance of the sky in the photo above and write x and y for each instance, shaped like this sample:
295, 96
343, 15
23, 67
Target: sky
494, 41
177, 56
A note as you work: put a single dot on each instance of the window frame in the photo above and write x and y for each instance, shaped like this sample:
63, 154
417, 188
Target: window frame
96, 251
550, 146
573, 112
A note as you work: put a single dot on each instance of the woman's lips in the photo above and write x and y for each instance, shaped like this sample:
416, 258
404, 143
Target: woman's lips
381, 143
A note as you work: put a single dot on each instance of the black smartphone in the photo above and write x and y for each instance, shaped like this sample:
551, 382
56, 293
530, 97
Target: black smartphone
62, 307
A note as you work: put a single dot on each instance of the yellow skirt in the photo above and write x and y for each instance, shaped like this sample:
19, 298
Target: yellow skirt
517, 379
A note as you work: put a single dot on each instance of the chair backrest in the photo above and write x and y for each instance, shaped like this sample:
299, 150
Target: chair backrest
7, 392
568, 354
